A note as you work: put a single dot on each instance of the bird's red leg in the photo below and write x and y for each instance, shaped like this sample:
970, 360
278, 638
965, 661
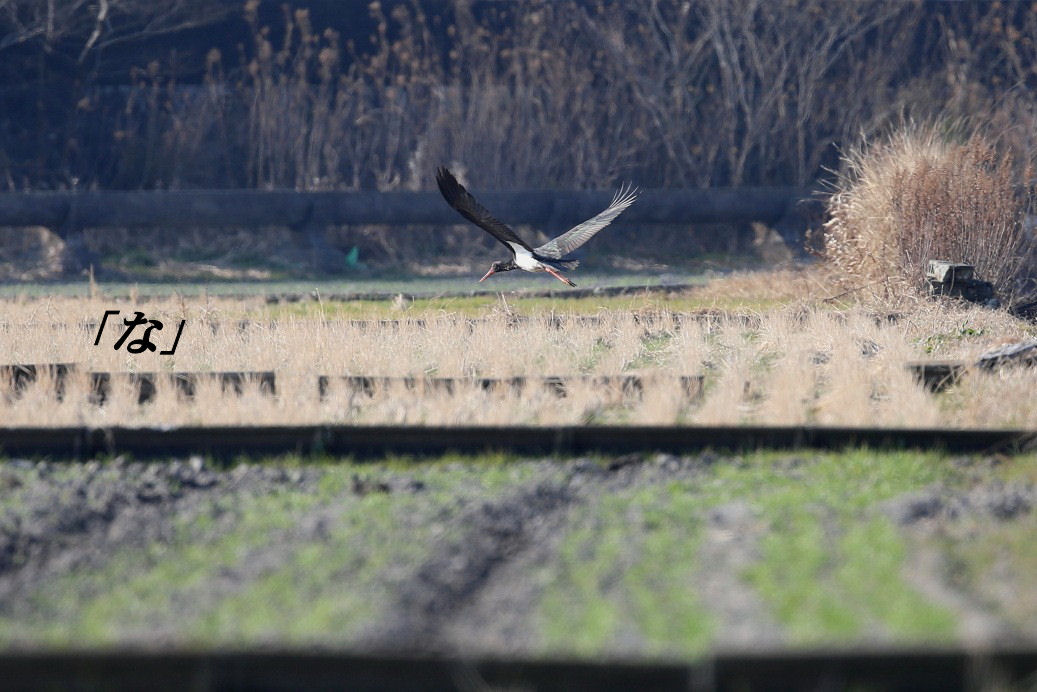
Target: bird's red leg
559, 276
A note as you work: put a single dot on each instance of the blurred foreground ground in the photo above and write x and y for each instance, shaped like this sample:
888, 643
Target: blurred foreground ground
632, 556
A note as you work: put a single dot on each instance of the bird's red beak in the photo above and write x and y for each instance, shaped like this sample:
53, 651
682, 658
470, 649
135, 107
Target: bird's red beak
488, 274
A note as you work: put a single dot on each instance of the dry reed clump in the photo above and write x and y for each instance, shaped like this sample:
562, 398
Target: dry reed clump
919, 196
792, 365
531, 93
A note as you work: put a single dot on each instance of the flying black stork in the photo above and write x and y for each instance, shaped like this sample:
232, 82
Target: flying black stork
549, 257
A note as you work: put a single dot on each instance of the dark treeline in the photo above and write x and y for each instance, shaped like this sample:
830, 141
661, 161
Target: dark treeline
578, 93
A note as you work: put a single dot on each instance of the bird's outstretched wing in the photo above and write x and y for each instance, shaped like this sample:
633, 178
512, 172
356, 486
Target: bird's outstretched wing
578, 235
460, 199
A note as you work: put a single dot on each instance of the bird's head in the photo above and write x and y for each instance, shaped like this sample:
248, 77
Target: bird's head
498, 267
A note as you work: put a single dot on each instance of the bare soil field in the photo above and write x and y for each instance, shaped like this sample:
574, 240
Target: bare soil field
633, 556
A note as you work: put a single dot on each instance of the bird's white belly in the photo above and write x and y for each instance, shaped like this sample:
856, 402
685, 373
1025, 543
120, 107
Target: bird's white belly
525, 260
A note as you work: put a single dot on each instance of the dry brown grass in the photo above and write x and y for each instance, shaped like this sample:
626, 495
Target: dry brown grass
30, 253
796, 364
768, 289
530, 94
920, 195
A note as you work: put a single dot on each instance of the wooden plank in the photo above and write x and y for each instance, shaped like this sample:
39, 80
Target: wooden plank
377, 441
184, 383
937, 375
1016, 354
275, 669
629, 385
18, 377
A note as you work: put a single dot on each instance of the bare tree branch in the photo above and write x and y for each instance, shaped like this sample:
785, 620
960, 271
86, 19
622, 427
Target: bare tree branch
102, 16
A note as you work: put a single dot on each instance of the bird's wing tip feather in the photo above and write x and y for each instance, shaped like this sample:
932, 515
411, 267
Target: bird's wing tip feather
625, 195
448, 185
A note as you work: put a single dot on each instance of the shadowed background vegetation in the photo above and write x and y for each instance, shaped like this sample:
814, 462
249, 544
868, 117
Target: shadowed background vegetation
323, 95
354, 95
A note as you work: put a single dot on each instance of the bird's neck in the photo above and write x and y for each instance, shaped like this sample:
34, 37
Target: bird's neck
508, 266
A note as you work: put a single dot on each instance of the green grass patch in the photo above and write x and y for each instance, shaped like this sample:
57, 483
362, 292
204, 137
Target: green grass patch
244, 569
302, 599
319, 563
831, 566
411, 285
478, 306
653, 351
626, 572
432, 296
979, 566
996, 561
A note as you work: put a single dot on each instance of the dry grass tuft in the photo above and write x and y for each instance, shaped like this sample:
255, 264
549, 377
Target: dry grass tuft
30, 253
919, 196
